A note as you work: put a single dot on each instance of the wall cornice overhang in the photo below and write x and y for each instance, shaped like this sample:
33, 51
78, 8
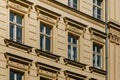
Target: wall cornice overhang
46, 67
18, 45
74, 23
96, 70
112, 24
94, 31
74, 75
47, 54
74, 63
74, 12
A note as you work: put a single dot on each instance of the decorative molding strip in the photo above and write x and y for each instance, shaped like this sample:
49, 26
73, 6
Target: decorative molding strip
74, 75
47, 54
74, 63
18, 61
100, 71
17, 45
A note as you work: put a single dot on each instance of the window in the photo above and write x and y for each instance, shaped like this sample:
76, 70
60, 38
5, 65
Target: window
16, 26
16, 75
73, 3
97, 49
72, 47
97, 9
45, 37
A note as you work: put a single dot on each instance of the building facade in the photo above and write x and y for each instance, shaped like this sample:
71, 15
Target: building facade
59, 40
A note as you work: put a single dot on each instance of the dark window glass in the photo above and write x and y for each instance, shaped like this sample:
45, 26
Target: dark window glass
12, 17
19, 34
11, 75
19, 19
12, 32
41, 42
41, 28
48, 44
48, 30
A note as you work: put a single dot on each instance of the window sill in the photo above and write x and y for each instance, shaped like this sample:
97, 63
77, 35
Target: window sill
74, 75
71, 62
47, 54
18, 45
100, 71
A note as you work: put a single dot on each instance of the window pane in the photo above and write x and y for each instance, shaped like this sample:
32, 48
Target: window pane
74, 40
19, 76
69, 38
48, 44
48, 30
19, 34
69, 52
98, 49
75, 53
41, 42
98, 61
42, 28
94, 11
94, 1
11, 31
69, 3
19, 19
11, 17
11, 75
99, 2
75, 4
93, 59
98, 13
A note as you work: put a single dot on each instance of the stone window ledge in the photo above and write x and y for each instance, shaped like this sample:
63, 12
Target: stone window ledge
17, 45
74, 75
100, 71
74, 63
47, 54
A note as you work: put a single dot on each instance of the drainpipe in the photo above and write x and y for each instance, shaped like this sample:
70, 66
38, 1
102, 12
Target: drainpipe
106, 24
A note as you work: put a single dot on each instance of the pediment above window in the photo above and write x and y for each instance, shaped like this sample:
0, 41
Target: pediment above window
17, 45
47, 54
74, 75
74, 26
114, 32
74, 63
20, 5
18, 61
96, 70
97, 35
47, 70
46, 15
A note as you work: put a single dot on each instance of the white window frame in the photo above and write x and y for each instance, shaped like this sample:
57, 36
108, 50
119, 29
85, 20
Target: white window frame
71, 44
15, 26
71, 4
95, 14
46, 35
96, 53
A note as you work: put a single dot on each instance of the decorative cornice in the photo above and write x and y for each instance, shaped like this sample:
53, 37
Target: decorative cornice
114, 38
15, 61
17, 45
100, 71
47, 54
74, 75
94, 31
74, 63
47, 67
20, 5
115, 25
